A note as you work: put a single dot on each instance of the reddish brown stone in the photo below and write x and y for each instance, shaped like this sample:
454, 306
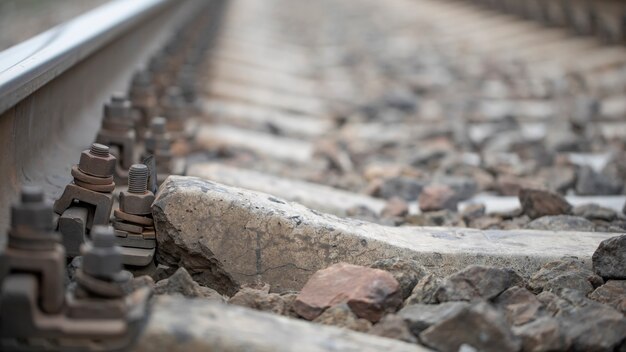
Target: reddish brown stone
438, 197
395, 207
370, 293
538, 203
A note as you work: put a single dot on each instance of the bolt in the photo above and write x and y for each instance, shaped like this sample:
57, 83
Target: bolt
138, 178
32, 211
157, 126
157, 139
32, 194
118, 107
97, 161
103, 237
102, 257
98, 149
118, 97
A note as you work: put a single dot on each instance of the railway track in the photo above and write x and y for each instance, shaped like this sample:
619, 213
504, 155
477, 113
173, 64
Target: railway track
238, 151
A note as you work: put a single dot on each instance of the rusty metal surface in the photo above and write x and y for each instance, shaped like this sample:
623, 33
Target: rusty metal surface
59, 113
100, 312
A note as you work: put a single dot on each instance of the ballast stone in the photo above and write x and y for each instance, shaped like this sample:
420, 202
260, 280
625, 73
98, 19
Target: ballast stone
609, 260
370, 293
477, 282
230, 236
181, 283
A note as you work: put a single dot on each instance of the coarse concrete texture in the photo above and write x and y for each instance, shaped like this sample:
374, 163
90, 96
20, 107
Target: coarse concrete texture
240, 236
182, 324
315, 196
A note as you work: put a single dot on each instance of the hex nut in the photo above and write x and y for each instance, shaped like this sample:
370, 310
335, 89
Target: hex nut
136, 203
95, 165
33, 211
102, 258
118, 108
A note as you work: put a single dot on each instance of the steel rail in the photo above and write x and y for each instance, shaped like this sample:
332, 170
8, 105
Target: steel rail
26, 67
52, 87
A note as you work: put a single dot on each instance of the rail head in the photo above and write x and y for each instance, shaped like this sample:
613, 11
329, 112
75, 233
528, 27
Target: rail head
28, 66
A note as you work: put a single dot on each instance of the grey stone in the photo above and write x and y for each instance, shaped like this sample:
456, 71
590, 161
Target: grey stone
567, 273
163, 272
486, 222
260, 300
520, 306
609, 260
510, 185
408, 272
403, 187
558, 179
463, 187
437, 197
401, 99
515, 223
473, 211
561, 223
341, 316
362, 212
420, 317
393, 327
561, 139
428, 157
71, 269
590, 325
395, 207
552, 302
594, 212
542, 335
477, 282
181, 324
436, 218
140, 281
424, 291
289, 298
479, 326
182, 283
612, 293
590, 182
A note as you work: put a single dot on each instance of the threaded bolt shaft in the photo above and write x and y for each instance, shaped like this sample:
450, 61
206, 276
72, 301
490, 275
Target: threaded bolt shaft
99, 150
138, 178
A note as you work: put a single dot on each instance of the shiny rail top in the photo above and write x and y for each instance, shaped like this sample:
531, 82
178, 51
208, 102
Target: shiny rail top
28, 66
